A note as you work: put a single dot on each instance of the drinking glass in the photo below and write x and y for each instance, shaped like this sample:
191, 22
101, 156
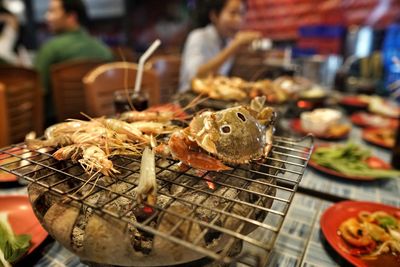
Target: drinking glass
138, 100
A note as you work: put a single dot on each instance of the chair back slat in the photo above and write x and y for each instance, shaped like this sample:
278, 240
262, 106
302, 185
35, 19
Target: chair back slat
21, 99
68, 89
102, 82
167, 68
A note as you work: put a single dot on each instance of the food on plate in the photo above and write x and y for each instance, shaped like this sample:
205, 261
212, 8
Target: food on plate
265, 88
384, 107
382, 137
147, 116
292, 85
161, 114
12, 246
315, 92
355, 100
237, 89
371, 234
233, 135
374, 103
365, 119
221, 87
324, 122
352, 160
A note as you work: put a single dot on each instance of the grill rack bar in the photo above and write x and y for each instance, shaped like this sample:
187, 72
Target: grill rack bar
295, 158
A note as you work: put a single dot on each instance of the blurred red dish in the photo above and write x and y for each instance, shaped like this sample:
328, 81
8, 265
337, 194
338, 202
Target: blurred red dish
381, 137
338, 213
23, 219
7, 160
354, 101
364, 119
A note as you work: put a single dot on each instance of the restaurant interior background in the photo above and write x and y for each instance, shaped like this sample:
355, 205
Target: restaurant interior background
335, 29
293, 205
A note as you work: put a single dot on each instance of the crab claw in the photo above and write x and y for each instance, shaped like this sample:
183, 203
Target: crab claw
257, 104
182, 148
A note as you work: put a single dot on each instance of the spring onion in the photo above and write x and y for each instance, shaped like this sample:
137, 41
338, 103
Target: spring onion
350, 159
12, 246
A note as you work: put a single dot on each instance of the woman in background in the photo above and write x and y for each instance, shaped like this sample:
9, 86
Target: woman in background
9, 27
209, 50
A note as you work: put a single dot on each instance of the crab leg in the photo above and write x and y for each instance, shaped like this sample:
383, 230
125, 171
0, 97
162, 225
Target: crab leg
268, 141
181, 146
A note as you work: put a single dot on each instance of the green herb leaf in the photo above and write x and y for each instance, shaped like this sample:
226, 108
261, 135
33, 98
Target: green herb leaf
386, 221
12, 246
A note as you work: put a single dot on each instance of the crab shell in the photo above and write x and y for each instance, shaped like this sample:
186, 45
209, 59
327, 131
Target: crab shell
234, 135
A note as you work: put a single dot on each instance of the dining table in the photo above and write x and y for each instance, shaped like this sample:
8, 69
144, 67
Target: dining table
300, 241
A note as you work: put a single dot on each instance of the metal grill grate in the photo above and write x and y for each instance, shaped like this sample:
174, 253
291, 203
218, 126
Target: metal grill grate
202, 212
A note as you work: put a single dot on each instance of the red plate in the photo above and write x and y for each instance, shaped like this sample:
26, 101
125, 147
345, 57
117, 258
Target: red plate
6, 159
354, 101
296, 126
374, 136
339, 212
362, 119
22, 219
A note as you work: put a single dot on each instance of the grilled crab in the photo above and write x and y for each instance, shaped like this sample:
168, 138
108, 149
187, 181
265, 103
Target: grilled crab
234, 135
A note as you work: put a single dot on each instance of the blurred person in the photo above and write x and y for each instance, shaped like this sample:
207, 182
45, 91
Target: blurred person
65, 18
210, 50
9, 28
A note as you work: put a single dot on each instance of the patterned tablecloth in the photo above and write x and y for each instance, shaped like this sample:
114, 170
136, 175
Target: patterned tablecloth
300, 242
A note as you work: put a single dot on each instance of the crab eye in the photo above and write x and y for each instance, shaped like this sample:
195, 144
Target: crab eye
226, 129
241, 116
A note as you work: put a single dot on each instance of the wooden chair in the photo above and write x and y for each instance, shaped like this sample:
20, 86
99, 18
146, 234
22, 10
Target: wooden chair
167, 68
103, 81
21, 104
124, 53
68, 89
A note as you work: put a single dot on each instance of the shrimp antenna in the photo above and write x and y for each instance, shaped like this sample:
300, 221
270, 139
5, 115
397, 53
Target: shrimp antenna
196, 101
87, 181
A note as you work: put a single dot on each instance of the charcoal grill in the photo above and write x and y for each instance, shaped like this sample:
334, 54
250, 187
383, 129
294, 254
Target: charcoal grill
203, 214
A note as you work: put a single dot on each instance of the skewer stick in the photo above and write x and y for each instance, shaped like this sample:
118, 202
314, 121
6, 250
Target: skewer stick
142, 60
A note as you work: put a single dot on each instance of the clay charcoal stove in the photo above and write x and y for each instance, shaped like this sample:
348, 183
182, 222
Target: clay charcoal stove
198, 214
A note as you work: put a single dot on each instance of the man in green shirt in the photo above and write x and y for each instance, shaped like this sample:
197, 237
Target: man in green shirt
65, 18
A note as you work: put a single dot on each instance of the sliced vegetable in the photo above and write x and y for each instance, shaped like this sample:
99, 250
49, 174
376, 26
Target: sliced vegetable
376, 163
352, 160
395, 234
